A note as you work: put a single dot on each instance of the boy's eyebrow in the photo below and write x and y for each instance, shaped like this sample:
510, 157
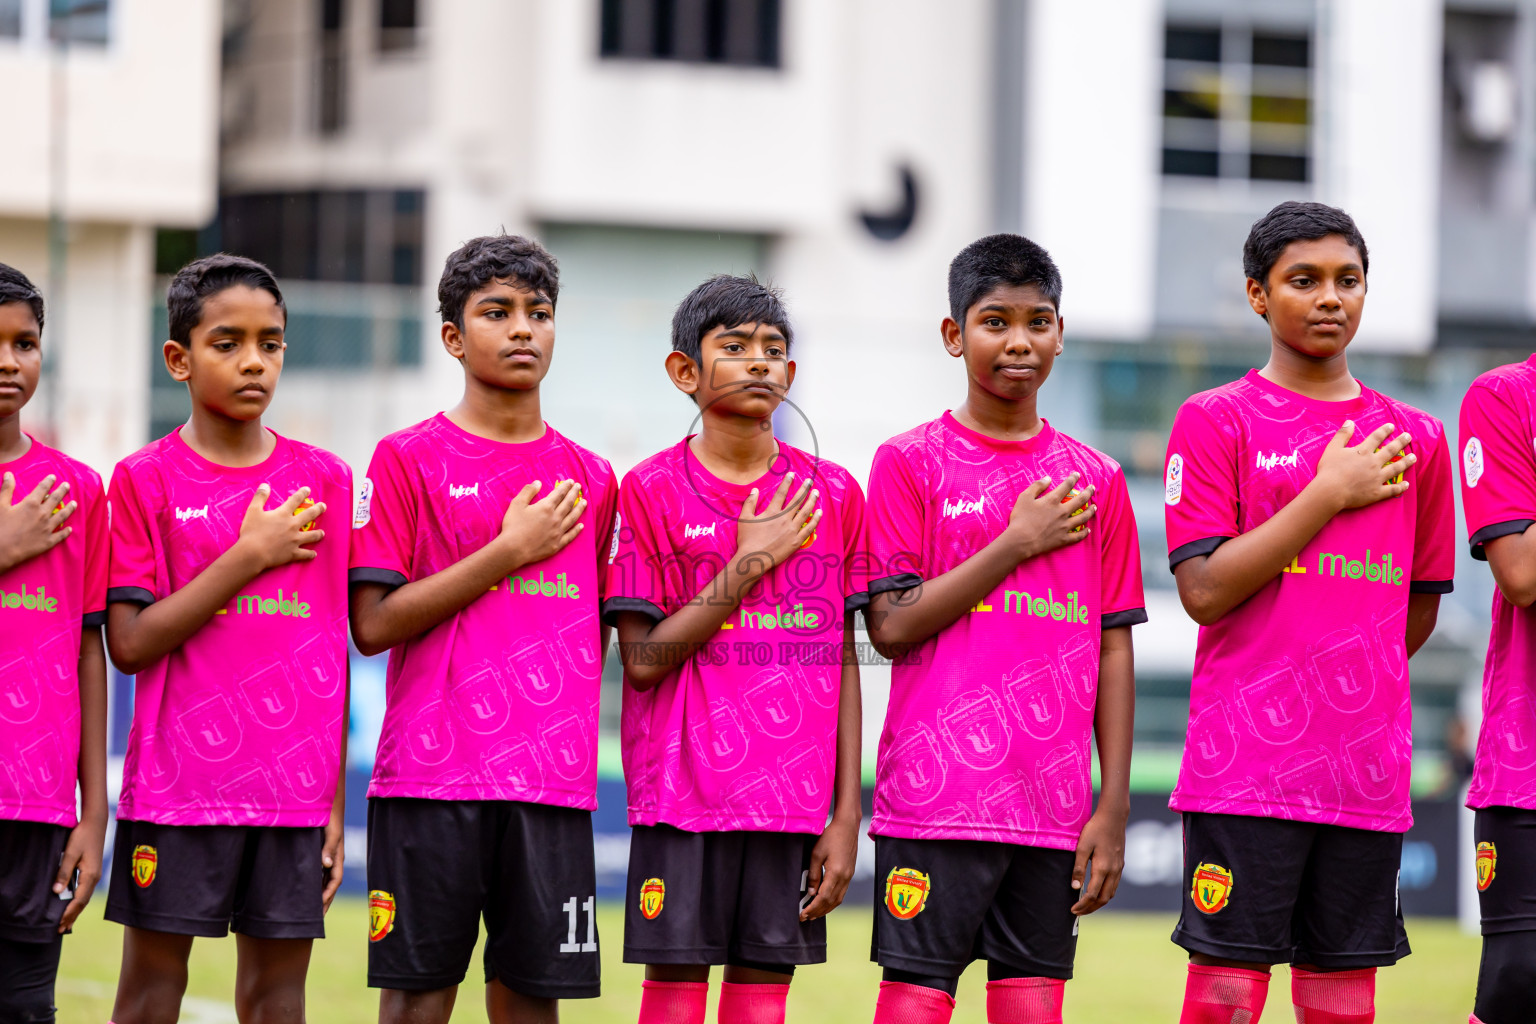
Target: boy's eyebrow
539, 298
1313, 268
773, 333
998, 307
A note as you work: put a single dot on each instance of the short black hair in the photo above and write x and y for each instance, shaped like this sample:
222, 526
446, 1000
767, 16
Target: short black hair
1297, 222
996, 261
726, 300
488, 258
16, 287
209, 275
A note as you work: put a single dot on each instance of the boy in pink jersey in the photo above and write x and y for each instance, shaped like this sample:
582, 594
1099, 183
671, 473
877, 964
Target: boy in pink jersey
732, 582
1310, 529
1498, 494
232, 616
480, 536
53, 677
1004, 583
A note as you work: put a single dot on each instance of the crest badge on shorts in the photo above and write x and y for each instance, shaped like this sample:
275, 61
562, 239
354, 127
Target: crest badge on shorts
1487, 861
381, 914
653, 895
1212, 888
906, 893
145, 861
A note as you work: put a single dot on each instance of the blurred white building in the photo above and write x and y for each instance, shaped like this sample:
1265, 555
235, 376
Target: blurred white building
847, 149
110, 132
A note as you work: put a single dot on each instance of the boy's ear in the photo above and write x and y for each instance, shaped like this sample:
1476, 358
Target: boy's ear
1061, 332
684, 372
453, 340
1258, 298
953, 337
178, 360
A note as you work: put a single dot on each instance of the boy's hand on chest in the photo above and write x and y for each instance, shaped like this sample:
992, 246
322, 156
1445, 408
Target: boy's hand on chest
1046, 518
283, 535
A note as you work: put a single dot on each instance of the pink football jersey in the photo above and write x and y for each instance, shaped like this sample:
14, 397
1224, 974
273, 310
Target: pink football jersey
44, 603
1299, 706
499, 701
1498, 494
743, 734
242, 724
989, 729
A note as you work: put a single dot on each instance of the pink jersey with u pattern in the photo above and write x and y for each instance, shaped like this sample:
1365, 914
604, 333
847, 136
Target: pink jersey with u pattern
988, 731
499, 701
742, 736
242, 724
1498, 494
1299, 706
44, 602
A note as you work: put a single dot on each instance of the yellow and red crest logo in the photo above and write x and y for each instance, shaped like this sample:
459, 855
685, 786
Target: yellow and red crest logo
906, 893
306, 503
1212, 888
653, 893
1487, 860
381, 914
1070, 495
144, 862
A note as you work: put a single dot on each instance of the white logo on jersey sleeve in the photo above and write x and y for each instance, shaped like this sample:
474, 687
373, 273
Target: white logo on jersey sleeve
362, 509
1472, 461
1173, 483
613, 546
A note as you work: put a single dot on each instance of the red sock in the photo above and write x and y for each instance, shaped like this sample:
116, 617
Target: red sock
1025, 1001
1334, 997
752, 1004
1224, 995
900, 1003
673, 1002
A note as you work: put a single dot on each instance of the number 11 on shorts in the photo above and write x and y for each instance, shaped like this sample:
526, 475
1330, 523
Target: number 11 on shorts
570, 945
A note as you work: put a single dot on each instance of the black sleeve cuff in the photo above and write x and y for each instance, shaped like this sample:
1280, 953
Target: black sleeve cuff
1129, 617
388, 577
1496, 530
901, 581
1194, 549
614, 605
94, 620
1431, 586
130, 595
855, 602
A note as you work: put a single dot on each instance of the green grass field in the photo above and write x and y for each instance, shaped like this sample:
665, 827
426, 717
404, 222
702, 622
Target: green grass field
1127, 971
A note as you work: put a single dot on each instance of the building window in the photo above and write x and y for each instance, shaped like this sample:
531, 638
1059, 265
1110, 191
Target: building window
10, 19
398, 23
744, 33
331, 76
347, 235
79, 21
1237, 103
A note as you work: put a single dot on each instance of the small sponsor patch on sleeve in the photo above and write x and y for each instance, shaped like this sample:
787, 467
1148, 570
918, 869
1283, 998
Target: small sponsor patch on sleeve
613, 546
1472, 461
362, 509
1173, 480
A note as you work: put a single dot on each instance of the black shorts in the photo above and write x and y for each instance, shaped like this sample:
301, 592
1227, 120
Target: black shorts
30, 911
1267, 890
259, 880
436, 866
719, 898
1506, 868
941, 903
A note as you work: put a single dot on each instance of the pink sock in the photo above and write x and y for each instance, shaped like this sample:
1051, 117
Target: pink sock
673, 1002
1334, 997
900, 1003
752, 1004
1025, 1001
1224, 995
1473, 1020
